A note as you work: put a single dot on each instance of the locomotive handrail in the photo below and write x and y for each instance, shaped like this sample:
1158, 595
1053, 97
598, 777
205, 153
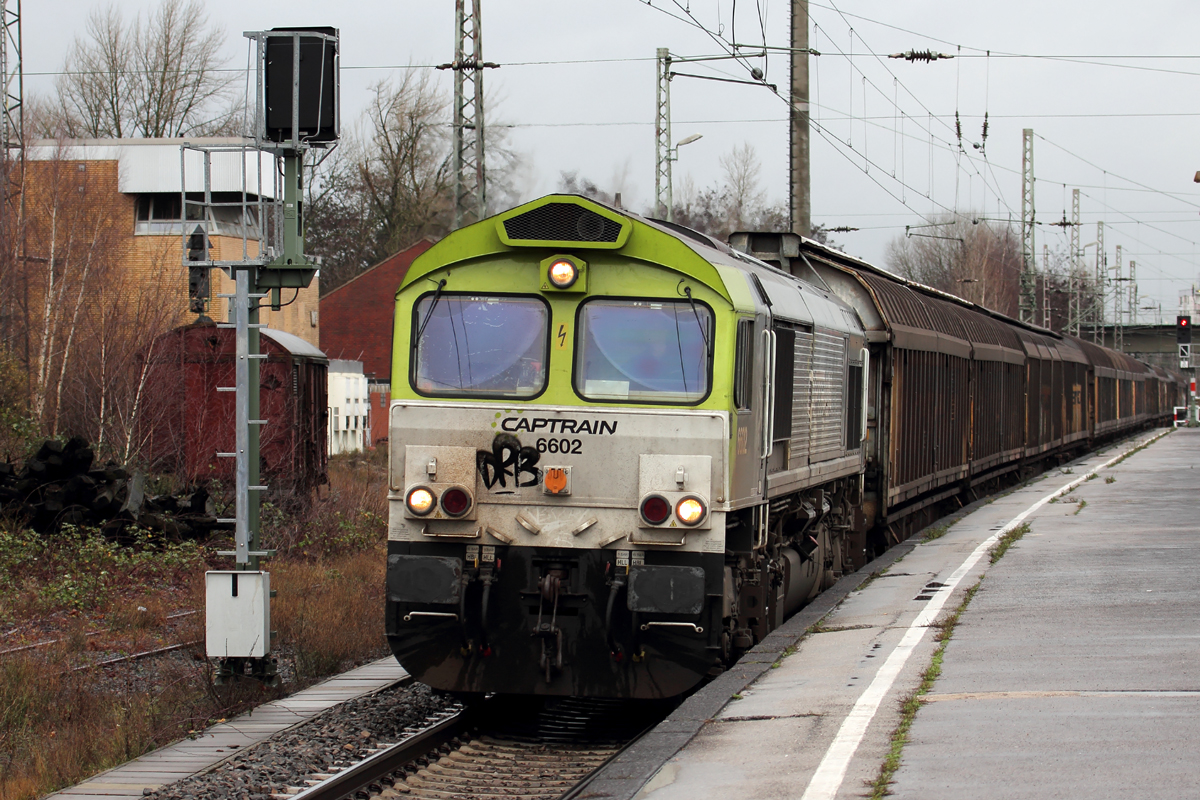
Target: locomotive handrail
648, 625
866, 379
446, 614
768, 445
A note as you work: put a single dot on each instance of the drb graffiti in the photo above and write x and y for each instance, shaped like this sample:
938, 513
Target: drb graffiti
508, 463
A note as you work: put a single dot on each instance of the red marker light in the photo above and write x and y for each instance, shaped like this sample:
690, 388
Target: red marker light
456, 502
655, 509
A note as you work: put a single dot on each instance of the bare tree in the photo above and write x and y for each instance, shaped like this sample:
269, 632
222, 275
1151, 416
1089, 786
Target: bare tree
94, 90
177, 88
737, 204
973, 258
388, 184
154, 77
743, 197
403, 163
80, 319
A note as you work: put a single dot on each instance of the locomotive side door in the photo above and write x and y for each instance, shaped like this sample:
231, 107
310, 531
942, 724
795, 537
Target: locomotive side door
752, 372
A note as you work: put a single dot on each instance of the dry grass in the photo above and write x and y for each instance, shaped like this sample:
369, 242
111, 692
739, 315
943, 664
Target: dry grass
329, 612
57, 726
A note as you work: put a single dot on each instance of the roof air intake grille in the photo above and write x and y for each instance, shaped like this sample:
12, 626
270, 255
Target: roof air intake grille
562, 222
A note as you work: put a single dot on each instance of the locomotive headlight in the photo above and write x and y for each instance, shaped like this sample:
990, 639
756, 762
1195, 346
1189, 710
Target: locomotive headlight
690, 510
562, 273
420, 500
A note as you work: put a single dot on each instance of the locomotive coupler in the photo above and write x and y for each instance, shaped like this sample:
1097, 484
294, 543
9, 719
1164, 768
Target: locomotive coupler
615, 585
486, 577
467, 644
550, 587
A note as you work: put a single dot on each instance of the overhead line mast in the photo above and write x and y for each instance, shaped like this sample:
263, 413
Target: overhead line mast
12, 131
1077, 278
663, 194
470, 174
1028, 297
799, 187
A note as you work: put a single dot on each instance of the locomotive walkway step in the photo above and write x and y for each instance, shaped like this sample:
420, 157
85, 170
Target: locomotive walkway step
1070, 673
190, 756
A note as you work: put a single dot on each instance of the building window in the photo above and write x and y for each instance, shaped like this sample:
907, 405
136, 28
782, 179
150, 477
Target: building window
160, 213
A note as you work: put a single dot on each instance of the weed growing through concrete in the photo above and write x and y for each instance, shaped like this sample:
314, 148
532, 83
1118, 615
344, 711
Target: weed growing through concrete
879, 573
1092, 477
1006, 541
1082, 504
788, 651
1138, 449
1110, 479
938, 531
911, 703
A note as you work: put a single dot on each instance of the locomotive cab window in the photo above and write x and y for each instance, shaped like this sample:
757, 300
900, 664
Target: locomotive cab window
650, 351
743, 368
472, 346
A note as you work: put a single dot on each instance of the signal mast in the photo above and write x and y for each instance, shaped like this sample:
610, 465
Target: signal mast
296, 112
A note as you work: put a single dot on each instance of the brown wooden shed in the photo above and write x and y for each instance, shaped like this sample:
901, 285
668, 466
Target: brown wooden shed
186, 421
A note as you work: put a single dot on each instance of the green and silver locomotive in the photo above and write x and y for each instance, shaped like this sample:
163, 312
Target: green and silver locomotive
620, 453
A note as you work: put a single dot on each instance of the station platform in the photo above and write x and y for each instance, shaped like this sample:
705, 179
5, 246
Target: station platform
219, 742
1071, 672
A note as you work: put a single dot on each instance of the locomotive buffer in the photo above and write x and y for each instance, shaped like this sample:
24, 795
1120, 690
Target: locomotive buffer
296, 111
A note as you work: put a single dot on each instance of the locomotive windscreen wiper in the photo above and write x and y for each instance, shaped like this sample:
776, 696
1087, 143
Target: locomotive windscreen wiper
437, 295
687, 291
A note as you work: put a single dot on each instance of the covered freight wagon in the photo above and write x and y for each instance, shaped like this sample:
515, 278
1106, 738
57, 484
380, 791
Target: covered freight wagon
186, 421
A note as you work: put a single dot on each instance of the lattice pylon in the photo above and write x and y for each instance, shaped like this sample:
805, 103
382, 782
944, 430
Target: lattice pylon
1096, 314
470, 179
663, 199
1028, 297
12, 76
1077, 281
12, 159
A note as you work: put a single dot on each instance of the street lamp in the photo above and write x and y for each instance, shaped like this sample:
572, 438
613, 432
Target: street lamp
673, 155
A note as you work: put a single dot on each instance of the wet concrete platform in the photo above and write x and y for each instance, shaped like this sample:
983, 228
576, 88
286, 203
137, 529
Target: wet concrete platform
1073, 669
1076, 670
190, 756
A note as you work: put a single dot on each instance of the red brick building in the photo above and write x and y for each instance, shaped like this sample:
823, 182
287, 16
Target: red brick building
356, 325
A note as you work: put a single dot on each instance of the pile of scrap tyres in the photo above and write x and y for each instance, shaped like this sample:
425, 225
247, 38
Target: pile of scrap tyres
62, 485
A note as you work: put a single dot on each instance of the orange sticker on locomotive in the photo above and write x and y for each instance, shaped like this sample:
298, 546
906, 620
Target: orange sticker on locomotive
556, 480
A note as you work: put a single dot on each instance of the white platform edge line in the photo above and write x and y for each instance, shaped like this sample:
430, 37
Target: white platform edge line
831, 772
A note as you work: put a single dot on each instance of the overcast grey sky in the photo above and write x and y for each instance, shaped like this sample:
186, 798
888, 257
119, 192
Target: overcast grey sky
577, 85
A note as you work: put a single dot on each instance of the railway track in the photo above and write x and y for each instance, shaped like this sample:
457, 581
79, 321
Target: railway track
519, 748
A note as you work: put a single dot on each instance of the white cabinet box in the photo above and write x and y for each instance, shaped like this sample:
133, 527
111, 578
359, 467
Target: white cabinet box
237, 614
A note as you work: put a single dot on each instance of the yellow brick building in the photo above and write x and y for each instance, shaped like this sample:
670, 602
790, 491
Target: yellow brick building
139, 182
